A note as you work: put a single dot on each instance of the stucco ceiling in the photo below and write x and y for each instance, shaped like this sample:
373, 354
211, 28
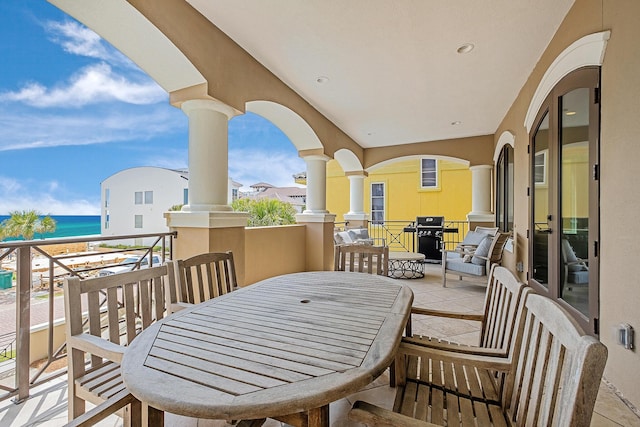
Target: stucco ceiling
388, 72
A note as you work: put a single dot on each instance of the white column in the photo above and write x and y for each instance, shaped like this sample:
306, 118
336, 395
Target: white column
316, 184
481, 193
356, 196
208, 155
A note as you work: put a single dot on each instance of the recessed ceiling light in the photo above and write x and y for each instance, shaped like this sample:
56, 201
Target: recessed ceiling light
322, 80
456, 123
466, 48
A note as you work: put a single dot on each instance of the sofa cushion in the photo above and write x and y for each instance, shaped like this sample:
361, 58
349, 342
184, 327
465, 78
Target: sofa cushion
458, 264
482, 251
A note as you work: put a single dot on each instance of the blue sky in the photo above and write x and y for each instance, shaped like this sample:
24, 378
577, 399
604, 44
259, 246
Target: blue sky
73, 111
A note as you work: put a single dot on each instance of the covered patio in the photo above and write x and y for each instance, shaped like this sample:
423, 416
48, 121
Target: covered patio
373, 82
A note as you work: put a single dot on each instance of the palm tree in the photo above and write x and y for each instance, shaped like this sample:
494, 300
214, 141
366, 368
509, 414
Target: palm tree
266, 212
26, 224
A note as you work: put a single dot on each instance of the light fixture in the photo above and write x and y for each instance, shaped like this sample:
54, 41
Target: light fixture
322, 80
465, 48
570, 113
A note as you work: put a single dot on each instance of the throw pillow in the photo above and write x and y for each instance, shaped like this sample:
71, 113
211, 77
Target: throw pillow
359, 234
345, 237
473, 238
467, 258
482, 250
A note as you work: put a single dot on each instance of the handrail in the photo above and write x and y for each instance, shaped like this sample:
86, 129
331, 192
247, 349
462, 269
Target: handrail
24, 282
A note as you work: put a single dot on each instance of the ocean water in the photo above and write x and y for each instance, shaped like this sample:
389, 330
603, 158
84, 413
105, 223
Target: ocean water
69, 226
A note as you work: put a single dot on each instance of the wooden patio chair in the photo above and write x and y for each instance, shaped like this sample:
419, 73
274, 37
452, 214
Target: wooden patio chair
103, 315
199, 278
504, 300
552, 379
362, 258
475, 264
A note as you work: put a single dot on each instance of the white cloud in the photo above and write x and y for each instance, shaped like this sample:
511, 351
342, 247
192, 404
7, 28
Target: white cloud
23, 130
15, 195
77, 39
249, 167
92, 84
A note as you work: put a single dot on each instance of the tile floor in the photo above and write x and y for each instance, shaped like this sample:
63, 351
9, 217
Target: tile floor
48, 406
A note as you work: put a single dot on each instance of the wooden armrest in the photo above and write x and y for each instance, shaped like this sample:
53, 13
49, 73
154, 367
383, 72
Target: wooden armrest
372, 415
503, 364
456, 348
97, 346
450, 314
103, 410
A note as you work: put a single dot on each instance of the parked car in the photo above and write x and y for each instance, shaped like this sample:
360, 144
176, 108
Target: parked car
129, 264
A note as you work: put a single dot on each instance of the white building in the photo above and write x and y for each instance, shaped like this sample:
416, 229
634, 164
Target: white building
134, 200
296, 196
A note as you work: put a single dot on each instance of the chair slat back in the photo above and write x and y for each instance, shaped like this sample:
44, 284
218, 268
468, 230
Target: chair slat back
118, 306
504, 299
362, 258
558, 372
200, 278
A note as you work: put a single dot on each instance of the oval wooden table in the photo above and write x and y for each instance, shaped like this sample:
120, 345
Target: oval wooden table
282, 348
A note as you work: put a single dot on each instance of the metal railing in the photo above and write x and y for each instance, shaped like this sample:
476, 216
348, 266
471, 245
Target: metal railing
399, 236
23, 255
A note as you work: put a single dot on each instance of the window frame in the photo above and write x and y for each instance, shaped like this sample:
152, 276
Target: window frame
383, 197
505, 176
424, 171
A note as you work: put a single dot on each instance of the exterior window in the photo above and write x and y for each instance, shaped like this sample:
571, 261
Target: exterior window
429, 173
504, 189
137, 221
234, 194
106, 220
138, 197
185, 196
107, 194
148, 197
377, 203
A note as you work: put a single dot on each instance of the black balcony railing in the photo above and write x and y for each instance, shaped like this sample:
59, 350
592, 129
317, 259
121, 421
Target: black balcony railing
401, 235
21, 256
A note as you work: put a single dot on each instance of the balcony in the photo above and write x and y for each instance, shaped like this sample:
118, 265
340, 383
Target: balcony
43, 402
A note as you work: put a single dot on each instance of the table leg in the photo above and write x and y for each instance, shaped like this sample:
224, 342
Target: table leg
152, 417
319, 417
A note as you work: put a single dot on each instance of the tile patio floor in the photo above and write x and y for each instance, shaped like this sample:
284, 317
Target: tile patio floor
48, 406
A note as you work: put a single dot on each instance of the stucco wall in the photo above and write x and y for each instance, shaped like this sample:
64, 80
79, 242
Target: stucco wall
271, 251
619, 153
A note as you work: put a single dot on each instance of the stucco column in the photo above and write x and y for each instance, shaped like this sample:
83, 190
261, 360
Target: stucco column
480, 194
318, 222
208, 155
207, 223
316, 184
356, 198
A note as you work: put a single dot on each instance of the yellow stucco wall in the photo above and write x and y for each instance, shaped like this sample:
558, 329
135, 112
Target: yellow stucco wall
404, 197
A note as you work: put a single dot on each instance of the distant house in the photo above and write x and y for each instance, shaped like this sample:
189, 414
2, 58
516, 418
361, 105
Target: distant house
296, 196
134, 200
404, 189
